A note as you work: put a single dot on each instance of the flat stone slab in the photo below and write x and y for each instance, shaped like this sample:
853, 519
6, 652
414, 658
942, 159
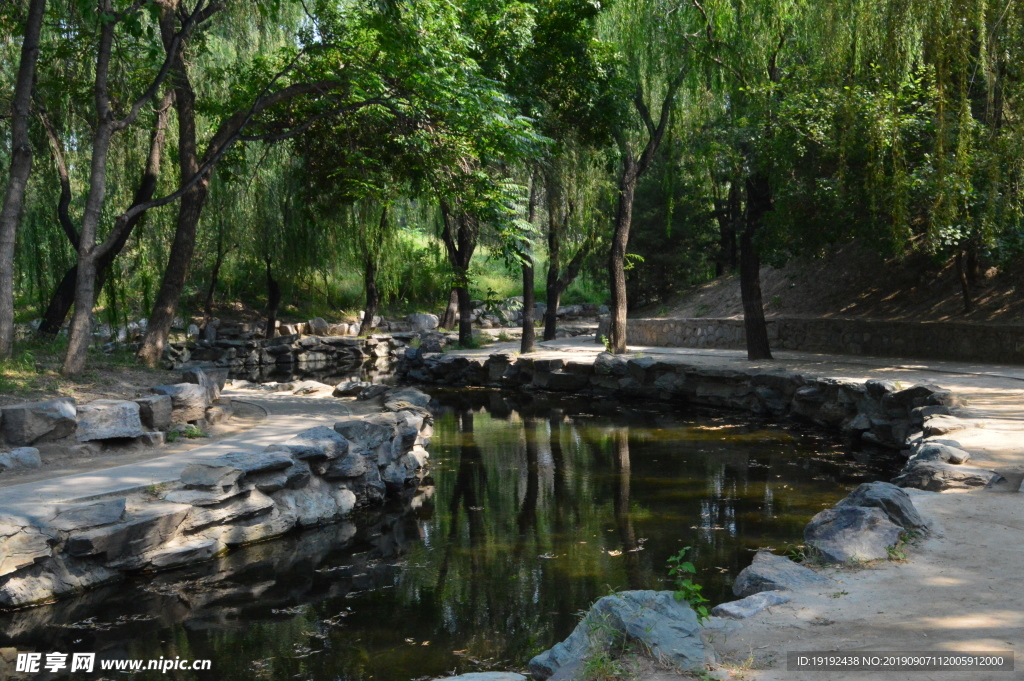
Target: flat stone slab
108, 419
83, 516
24, 424
484, 676
751, 605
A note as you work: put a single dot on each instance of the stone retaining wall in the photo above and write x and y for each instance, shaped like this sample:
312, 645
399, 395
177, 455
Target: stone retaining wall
317, 477
925, 340
881, 413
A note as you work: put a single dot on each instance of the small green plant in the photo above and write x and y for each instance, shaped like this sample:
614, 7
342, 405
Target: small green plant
796, 553
607, 343
896, 553
840, 594
191, 432
702, 310
776, 301
503, 337
686, 590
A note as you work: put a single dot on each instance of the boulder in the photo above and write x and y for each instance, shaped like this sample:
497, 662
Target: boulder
236, 508
188, 401
155, 411
322, 441
108, 419
31, 422
316, 503
204, 497
893, 501
851, 533
254, 462
220, 411
183, 554
350, 388
200, 474
351, 466
318, 326
199, 377
751, 605
311, 388
145, 528
667, 627
372, 391
410, 395
941, 425
769, 572
485, 676
938, 451
936, 476
423, 322
70, 517
20, 458
21, 544
369, 432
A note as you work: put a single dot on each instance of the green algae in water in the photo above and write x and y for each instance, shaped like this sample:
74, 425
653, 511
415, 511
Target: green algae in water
533, 509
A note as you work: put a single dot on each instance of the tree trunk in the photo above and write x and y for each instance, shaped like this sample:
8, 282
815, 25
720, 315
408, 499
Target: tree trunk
465, 320
617, 258
965, 285
727, 215
60, 304
554, 293
529, 332
372, 295
21, 168
273, 301
211, 292
448, 318
758, 203
189, 211
554, 299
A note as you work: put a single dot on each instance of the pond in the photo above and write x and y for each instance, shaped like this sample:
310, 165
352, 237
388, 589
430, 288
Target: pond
534, 508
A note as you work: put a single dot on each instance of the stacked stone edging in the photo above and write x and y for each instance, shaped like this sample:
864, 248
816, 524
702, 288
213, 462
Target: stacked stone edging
880, 413
924, 340
319, 476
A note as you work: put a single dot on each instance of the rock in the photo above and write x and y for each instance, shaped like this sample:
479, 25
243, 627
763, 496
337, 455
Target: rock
20, 458
145, 528
311, 388
21, 544
935, 476
938, 451
188, 401
410, 395
322, 441
108, 419
351, 466
219, 412
236, 508
51, 577
210, 475
423, 322
254, 462
183, 554
751, 605
941, 425
31, 422
152, 439
155, 411
372, 391
666, 627
893, 501
83, 516
851, 533
350, 388
369, 432
769, 572
199, 377
485, 676
315, 504
403, 469
204, 497
318, 326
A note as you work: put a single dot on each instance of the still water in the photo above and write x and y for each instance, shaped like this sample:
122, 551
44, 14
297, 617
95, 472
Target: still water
534, 507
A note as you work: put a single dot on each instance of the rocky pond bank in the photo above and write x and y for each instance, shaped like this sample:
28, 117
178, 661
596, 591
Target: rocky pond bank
319, 476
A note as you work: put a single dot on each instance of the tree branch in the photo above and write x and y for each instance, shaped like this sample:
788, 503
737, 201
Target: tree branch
65, 183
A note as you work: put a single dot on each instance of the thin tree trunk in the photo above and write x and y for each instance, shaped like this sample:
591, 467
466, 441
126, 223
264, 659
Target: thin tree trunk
529, 332
617, 258
211, 292
372, 295
21, 168
273, 301
965, 285
727, 215
554, 293
758, 203
465, 316
448, 318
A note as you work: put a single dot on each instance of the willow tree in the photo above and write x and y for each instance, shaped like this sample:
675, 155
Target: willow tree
654, 63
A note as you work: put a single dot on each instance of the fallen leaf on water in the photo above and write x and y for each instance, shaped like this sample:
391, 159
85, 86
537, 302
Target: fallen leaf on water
615, 553
425, 643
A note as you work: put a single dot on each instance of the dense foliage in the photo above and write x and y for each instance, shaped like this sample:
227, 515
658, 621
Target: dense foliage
336, 155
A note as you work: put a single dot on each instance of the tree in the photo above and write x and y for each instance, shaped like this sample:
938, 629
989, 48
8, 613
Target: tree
21, 167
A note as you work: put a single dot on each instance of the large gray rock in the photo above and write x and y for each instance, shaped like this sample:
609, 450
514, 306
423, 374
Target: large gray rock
485, 676
930, 450
936, 476
411, 396
199, 474
350, 388
325, 442
237, 508
941, 425
31, 422
187, 553
351, 466
83, 516
155, 411
199, 377
667, 627
145, 528
316, 503
769, 572
188, 401
20, 458
751, 605
423, 322
893, 501
51, 577
318, 326
108, 419
369, 432
851, 533
21, 544
254, 462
